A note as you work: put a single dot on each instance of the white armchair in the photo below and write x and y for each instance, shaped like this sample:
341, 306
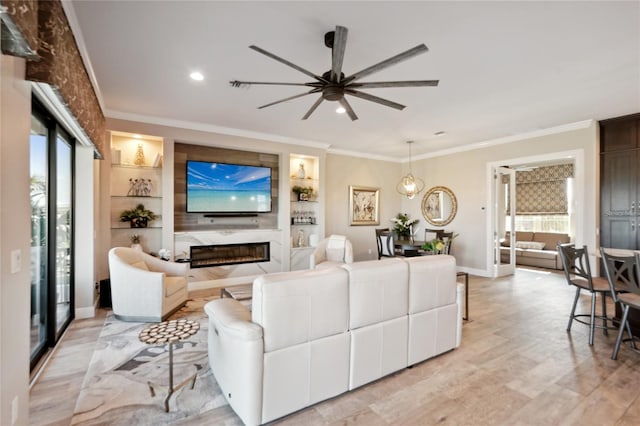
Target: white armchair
145, 288
331, 251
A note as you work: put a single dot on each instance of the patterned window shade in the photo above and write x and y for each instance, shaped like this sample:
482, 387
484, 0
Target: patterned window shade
543, 190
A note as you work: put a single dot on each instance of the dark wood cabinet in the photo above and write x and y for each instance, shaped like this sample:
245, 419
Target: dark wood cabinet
619, 134
620, 190
620, 182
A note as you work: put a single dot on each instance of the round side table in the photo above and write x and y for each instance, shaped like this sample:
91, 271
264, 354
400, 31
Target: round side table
170, 332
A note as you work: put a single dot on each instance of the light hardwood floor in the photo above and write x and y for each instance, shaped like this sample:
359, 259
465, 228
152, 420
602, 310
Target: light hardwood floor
517, 365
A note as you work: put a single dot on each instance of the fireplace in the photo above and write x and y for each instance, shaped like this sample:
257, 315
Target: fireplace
229, 254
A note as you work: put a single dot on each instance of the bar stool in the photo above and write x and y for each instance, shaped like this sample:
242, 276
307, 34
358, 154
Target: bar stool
575, 262
621, 269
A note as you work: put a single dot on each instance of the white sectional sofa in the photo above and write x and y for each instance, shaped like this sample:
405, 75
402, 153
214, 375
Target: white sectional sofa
314, 334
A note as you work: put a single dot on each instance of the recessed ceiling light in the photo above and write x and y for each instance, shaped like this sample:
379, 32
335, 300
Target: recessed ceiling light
197, 76
440, 133
341, 110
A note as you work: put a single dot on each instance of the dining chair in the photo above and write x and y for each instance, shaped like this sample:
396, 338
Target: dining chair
384, 240
577, 271
447, 238
432, 234
621, 269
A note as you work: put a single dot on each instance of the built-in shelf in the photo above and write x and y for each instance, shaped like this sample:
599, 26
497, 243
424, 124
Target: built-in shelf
136, 184
133, 166
153, 197
135, 229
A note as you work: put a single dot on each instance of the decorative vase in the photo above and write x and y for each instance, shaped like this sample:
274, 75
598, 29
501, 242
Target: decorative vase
136, 246
139, 157
303, 196
139, 222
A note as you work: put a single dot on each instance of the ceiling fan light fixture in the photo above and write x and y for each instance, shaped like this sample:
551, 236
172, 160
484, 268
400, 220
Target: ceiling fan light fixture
409, 185
341, 110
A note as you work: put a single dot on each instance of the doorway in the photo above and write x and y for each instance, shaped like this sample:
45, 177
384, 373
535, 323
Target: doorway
498, 222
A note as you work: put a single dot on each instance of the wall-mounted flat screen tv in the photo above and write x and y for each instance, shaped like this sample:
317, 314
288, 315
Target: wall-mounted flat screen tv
227, 188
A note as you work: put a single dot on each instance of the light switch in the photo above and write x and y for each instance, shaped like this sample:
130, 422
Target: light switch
16, 261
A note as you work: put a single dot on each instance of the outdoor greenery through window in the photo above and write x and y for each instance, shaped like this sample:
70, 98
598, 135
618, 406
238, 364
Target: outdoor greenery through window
541, 223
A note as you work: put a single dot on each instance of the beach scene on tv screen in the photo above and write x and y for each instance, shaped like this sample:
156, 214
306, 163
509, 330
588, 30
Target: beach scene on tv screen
218, 187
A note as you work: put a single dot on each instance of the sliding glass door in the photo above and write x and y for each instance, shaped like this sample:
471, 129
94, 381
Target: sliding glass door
51, 191
39, 168
63, 231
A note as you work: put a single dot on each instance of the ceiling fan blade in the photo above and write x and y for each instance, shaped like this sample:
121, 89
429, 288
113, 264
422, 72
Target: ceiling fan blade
352, 115
313, 107
337, 57
284, 61
290, 98
381, 84
238, 83
421, 48
375, 99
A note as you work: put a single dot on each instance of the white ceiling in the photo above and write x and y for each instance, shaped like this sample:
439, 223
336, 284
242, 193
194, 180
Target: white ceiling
505, 68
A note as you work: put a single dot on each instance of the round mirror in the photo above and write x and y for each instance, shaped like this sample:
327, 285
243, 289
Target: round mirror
439, 206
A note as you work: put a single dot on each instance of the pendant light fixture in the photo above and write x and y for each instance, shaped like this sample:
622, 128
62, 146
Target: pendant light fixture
409, 185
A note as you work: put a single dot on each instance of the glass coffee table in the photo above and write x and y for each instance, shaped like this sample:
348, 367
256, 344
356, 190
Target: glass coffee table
239, 292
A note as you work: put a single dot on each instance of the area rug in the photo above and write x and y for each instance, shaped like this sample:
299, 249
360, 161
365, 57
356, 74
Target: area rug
115, 389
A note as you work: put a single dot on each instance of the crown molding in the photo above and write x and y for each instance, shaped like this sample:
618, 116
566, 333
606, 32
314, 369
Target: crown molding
72, 18
211, 128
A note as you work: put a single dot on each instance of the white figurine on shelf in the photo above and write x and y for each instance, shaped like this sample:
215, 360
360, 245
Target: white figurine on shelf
301, 172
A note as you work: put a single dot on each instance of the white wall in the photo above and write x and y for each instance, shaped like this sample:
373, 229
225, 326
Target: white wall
15, 231
465, 174
343, 171
84, 276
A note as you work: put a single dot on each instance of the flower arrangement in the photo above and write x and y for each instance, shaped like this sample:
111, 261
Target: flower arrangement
403, 225
436, 245
135, 238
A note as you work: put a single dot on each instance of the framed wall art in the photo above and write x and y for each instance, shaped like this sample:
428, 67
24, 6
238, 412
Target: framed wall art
364, 205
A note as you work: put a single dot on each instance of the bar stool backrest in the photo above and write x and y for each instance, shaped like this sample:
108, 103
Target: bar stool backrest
575, 263
621, 270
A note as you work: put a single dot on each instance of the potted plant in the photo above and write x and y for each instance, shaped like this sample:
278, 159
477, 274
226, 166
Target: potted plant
403, 226
138, 217
135, 241
303, 192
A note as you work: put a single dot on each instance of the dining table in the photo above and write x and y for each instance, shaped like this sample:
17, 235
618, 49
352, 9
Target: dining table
408, 248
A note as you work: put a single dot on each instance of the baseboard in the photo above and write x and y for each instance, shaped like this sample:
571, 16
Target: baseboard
474, 271
88, 312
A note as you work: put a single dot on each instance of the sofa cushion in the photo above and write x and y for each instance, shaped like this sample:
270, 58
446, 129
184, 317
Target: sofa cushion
538, 254
432, 282
300, 306
172, 285
551, 239
140, 265
520, 236
335, 248
537, 245
378, 291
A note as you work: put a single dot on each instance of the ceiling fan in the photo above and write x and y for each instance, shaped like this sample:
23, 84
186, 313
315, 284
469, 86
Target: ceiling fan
333, 85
